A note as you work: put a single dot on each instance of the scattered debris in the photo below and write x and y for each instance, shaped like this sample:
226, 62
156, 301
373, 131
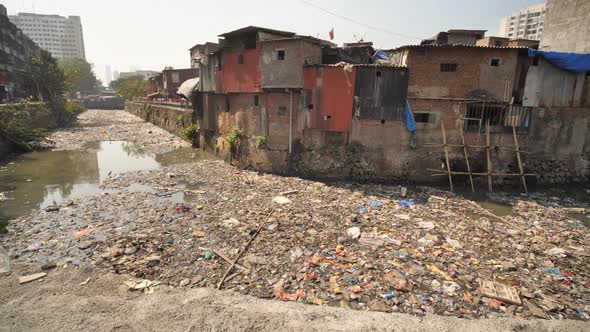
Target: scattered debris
281, 200
423, 254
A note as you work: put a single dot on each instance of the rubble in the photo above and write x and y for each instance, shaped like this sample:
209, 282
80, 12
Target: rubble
343, 244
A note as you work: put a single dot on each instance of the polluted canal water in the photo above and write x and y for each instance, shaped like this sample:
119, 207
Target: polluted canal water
41, 179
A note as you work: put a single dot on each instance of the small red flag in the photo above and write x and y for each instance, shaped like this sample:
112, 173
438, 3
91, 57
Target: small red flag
331, 33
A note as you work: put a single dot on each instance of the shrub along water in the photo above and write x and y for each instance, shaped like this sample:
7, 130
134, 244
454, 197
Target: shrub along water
27, 124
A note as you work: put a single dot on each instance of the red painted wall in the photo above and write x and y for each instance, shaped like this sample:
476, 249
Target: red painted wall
244, 77
332, 95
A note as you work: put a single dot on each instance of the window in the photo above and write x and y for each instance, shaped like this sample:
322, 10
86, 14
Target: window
378, 74
241, 59
281, 55
500, 116
282, 110
423, 117
498, 43
448, 67
495, 62
256, 100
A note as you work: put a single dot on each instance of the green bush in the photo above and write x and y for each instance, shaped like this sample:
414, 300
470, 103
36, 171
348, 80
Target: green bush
234, 140
25, 124
261, 142
191, 134
180, 119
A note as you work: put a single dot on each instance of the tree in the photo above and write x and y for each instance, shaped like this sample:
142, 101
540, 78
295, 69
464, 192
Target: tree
43, 78
131, 87
79, 77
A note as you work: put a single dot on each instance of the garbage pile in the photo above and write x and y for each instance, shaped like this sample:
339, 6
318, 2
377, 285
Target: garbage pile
357, 246
115, 125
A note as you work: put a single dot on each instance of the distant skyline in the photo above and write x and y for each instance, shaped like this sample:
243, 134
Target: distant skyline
150, 35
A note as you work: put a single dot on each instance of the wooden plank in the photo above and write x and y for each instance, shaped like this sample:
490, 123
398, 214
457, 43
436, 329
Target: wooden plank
467, 160
489, 156
31, 277
444, 136
522, 178
498, 291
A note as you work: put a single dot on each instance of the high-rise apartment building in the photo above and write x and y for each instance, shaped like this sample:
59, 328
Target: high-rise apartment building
62, 36
109, 74
526, 23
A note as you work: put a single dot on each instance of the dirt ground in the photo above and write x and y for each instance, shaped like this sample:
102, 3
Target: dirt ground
61, 302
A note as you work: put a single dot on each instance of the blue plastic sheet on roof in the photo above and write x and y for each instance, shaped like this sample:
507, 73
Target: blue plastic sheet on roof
382, 55
409, 118
576, 62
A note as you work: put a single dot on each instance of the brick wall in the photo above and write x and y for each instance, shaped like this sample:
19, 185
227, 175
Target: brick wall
473, 72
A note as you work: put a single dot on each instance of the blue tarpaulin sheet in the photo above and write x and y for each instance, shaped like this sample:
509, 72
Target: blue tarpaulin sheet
409, 118
576, 62
382, 55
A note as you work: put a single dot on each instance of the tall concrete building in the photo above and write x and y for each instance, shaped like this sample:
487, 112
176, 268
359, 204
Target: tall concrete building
526, 23
109, 75
62, 36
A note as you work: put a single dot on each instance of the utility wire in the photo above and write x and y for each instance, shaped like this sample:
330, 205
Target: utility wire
368, 26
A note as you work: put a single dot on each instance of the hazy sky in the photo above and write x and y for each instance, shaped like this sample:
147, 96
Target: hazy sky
150, 34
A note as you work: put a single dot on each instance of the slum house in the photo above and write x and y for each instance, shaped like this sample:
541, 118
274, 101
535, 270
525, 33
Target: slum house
455, 36
467, 86
165, 84
254, 82
276, 85
200, 51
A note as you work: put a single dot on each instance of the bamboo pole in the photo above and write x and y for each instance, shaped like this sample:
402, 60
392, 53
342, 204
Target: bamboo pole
467, 160
444, 136
519, 160
489, 156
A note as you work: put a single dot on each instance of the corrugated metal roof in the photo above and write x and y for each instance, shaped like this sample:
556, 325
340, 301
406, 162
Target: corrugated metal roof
457, 46
364, 65
251, 28
307, 38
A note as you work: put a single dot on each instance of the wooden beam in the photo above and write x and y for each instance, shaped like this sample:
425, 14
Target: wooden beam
522, 178
467, 160
489, 156
444, 137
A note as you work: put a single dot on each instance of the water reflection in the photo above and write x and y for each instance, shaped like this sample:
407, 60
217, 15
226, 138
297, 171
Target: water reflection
41, 179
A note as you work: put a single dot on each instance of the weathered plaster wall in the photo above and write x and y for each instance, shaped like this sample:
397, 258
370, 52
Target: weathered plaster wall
566, 26
287, 73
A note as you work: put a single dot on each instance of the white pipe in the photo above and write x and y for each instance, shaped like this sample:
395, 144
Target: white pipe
290, 121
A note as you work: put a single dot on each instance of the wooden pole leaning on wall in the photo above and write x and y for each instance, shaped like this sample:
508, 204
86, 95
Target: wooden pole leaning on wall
467, 159
520, 168
489, 157
444, 137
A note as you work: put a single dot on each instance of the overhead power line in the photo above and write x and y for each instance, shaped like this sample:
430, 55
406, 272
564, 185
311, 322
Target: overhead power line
368, 26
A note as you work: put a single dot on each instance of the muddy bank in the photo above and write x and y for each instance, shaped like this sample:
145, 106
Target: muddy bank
364, 247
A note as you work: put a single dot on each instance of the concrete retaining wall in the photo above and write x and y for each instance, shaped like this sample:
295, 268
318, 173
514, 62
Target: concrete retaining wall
558, 142
172, 119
